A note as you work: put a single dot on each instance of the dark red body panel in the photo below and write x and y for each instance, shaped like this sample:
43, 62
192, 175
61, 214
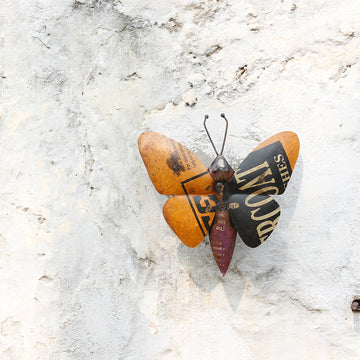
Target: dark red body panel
222, 239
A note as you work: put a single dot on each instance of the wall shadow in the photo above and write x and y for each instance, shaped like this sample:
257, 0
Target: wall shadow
200, 264
261, 266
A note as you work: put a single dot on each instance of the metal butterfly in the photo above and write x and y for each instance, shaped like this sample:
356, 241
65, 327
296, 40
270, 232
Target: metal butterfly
219, 200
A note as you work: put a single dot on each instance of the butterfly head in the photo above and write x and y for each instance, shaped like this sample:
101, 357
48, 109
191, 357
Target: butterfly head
220, 170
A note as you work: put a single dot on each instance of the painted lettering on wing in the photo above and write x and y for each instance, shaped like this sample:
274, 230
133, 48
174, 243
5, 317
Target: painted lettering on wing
259, 182
283, 169
205, 208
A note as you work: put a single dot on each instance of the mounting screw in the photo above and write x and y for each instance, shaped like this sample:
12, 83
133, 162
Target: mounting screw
355, 306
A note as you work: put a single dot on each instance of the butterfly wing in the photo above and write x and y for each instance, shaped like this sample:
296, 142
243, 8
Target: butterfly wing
265, 171
268, 167
190, 217
256, 222
173, 169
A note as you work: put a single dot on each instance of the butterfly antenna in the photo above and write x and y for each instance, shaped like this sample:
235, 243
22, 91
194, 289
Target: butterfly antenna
226, 128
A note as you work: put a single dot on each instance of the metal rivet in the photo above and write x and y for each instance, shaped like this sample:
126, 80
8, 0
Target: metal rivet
355, 306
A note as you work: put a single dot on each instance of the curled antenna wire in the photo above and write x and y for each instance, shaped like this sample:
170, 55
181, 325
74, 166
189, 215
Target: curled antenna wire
226, 128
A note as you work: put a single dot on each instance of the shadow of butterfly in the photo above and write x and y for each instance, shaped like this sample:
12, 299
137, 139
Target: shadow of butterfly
219, 200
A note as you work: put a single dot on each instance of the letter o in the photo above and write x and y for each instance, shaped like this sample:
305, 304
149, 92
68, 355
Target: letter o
258, 192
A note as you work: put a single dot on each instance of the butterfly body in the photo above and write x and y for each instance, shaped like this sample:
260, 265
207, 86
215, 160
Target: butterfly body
222, 239
222, 232
219, 200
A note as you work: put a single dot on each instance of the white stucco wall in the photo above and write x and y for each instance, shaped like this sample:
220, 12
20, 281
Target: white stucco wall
89, 268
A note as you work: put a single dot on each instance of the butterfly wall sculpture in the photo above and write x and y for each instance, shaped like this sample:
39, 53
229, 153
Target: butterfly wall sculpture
219, 200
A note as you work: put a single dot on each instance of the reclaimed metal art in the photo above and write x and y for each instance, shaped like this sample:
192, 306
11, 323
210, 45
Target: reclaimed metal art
219, 200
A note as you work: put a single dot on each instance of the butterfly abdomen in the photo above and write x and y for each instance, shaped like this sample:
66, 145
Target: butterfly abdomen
222, 239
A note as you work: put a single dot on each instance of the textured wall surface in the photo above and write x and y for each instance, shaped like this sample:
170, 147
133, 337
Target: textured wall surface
89, 268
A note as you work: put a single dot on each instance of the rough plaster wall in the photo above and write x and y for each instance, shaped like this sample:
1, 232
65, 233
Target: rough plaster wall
89, 269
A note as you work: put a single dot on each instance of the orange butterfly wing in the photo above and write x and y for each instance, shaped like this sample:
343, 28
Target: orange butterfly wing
170, 165
190, 217
289, 141
175, 170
